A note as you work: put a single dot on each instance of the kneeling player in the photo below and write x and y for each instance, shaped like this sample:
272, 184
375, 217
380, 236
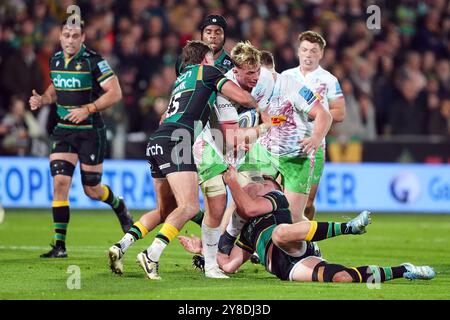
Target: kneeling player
285, 249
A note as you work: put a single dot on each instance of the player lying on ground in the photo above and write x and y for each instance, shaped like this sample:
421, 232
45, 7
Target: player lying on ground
285, 249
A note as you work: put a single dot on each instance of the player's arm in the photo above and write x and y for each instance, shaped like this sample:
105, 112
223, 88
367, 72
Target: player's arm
322, 123
337, 109
336, 100
37, 101
230, 264
237, 94
246, 206
112, 95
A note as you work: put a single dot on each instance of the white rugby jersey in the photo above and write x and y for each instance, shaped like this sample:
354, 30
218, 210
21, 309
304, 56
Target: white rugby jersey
226, 111
321, 81
289, 106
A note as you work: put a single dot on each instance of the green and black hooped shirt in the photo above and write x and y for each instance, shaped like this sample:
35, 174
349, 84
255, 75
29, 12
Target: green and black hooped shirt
77, 82
192, 99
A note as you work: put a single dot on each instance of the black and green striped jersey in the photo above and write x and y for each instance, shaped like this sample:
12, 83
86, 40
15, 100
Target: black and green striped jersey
223, 62
193, 97
256, 235
77, 82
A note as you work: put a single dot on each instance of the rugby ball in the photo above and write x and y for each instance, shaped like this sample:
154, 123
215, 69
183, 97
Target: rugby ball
248, 118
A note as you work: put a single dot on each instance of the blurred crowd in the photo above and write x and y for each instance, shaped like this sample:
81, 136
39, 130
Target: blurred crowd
395, 78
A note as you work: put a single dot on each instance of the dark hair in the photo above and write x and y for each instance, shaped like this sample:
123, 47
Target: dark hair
267, 59
312, 37
66, 22
194, 52
275, 182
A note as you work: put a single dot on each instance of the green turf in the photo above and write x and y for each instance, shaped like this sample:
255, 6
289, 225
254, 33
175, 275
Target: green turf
391, 240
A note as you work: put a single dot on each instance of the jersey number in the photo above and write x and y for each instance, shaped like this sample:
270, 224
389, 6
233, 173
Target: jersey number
174, 105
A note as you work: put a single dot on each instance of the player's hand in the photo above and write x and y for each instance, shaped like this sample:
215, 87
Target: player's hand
230, 175
310, 145
36, 101
266, 118
191, 244
77, 115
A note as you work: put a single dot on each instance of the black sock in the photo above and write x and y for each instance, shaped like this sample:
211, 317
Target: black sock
61, 217
198, 219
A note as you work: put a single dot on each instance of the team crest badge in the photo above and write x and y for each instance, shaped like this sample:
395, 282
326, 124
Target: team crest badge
57, 63
78, 66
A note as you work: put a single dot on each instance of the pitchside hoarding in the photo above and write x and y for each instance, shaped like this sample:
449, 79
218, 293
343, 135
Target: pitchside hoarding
27, 183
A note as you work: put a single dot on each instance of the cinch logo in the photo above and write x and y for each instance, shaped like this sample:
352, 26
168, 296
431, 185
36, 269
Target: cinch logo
155, 150
70, 83
405, 187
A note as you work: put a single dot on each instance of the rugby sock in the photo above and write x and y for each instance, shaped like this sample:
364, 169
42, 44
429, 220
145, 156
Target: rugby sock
110, 199
198, 219
61, 217
210, 242
376, 274
136, 232
235, 225
162, 239
324, 230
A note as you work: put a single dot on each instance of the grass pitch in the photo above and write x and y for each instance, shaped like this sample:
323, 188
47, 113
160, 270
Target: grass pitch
391, 240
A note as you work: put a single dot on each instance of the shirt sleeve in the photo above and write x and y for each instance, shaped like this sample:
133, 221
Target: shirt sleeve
244, 242
102, 71
334, 89
226, 110
278, 200
213, 78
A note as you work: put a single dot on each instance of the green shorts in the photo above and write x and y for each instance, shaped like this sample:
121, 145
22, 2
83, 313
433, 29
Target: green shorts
296, 171
319, 163
211, 164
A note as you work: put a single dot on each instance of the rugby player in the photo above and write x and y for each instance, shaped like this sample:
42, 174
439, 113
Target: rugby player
221, 141
169, 153
286, 249
310, 52
83, 85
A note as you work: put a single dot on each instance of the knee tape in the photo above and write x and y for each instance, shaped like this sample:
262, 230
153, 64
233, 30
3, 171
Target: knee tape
214, 187
330, 270
90, 179
61, 167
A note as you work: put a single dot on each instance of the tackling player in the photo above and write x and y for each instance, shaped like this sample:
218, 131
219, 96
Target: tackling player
220, 142
286, 249
169, 153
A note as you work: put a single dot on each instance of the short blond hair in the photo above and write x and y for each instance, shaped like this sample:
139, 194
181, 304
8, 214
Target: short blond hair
244, 53
312, 37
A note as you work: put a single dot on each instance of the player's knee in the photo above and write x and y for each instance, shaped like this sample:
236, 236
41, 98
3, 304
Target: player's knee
61, 167
60, 183
190, 210
90, 179
342, 276
92, 193
214, 187
280, 235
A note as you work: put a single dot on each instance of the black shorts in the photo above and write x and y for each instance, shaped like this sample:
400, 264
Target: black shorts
167, 155
282, 263
89, 144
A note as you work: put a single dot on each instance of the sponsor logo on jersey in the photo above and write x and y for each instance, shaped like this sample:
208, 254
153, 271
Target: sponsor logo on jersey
155, 150
104, 66
69, 83
278, 120
308, 95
